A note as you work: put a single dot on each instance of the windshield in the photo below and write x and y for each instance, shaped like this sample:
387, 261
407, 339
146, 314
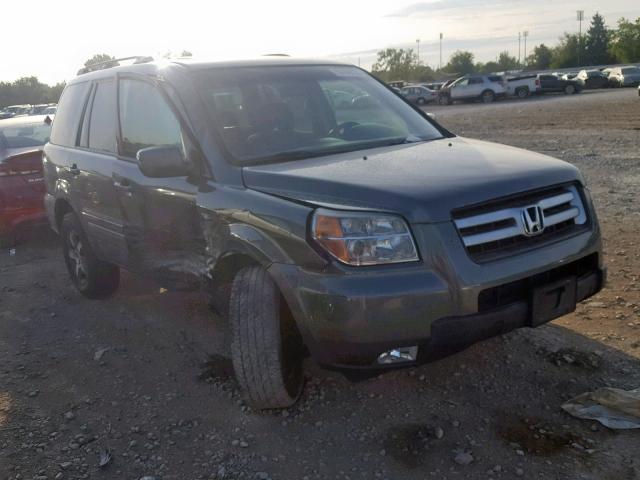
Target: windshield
284, 113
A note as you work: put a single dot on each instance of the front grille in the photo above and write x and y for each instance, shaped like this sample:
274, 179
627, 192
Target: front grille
502, 227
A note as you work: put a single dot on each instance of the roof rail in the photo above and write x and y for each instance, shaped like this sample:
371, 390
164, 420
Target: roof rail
276, 55
113, 63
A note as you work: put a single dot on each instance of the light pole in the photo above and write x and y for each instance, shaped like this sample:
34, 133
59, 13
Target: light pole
440, 62
525, 34
580, 16
519, 39
418, 44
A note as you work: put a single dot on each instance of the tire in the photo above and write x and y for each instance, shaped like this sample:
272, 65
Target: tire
488, 96
266, 348
569, 90
8, 240
522, 92
445, 100
421, 101
92, 277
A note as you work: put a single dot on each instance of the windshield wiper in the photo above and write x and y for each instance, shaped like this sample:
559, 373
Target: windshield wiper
344, 148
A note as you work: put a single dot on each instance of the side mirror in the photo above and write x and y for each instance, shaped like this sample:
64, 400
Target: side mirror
161, 162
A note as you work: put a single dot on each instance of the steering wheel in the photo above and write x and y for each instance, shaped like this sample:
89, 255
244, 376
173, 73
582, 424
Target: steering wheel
339, 131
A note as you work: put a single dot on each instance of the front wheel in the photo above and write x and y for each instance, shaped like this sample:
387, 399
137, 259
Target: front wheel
445, 100
487, 96
92, 277
569, 89
266, 347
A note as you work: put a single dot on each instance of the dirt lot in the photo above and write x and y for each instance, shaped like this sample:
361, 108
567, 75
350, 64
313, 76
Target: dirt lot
143, 374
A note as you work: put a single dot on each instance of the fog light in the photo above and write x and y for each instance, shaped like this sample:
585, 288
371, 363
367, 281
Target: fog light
399, 355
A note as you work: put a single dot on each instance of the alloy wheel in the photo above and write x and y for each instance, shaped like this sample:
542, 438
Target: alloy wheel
78, 258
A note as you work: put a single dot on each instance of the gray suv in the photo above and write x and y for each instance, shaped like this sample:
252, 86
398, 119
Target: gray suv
361, 233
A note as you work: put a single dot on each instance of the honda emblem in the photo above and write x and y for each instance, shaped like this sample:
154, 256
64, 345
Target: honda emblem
533, 220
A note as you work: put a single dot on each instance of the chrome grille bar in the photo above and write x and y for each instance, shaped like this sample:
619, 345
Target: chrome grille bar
509, 221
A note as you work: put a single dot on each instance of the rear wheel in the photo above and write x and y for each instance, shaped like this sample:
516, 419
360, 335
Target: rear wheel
7, 240
569, 89
266, 348
92, 277
522, 92
421, 101
487, 96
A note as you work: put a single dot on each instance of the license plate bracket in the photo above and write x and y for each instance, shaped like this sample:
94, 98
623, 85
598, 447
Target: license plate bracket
553, 300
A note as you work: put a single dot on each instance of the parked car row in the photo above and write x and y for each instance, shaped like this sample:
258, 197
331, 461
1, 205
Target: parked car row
614, 77
487, 88
22, 110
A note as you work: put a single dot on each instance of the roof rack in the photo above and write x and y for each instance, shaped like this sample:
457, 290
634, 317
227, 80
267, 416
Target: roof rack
113, 63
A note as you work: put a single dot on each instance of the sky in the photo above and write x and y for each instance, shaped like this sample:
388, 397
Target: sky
54, 38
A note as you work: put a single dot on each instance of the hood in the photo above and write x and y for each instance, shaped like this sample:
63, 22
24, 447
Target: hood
424, 181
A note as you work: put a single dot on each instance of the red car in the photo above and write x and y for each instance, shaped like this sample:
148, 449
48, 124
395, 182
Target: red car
21, 181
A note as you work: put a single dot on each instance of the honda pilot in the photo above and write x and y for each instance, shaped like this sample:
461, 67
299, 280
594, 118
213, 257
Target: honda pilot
362, 233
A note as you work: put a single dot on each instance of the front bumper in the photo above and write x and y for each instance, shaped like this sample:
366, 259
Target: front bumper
442, 304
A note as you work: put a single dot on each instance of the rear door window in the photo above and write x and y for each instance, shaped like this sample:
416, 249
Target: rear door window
146, 120
102, 124
67, 119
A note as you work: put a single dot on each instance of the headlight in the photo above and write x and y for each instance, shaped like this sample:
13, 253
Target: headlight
362, 238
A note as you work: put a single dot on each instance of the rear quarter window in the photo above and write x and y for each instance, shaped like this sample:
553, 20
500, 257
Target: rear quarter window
67, 120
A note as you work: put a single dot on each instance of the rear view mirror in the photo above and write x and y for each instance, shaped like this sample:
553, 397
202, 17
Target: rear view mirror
160, 162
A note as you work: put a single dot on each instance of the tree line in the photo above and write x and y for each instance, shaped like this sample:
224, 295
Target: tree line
599, 45
29, 90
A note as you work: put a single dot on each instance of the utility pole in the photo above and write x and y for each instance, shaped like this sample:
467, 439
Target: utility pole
519, 39
580, 16
440, 63
525, 34
418, 43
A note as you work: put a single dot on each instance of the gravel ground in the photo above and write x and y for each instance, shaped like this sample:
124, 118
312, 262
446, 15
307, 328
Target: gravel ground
141, 381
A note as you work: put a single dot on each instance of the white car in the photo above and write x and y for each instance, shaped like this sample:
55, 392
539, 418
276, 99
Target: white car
523, 86
624, 76
474, 87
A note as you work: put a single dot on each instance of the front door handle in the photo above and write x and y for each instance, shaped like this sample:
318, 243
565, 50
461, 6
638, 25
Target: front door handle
121, 182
